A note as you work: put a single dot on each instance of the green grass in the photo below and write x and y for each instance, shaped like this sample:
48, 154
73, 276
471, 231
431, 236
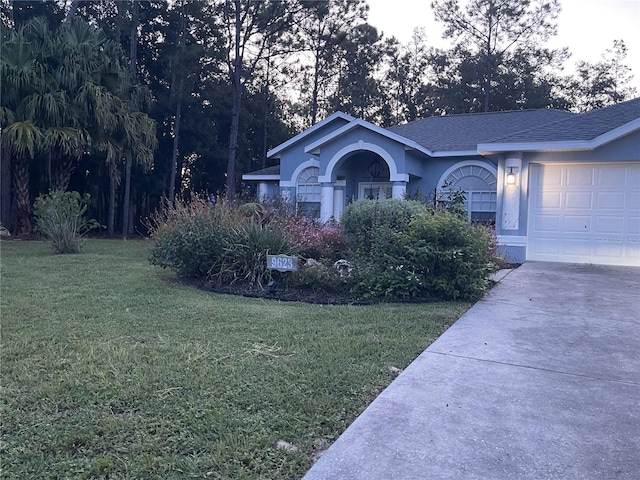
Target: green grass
112, 369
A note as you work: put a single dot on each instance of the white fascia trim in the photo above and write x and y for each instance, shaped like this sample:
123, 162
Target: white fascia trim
314, 148
570, 145
456, 153
263, 178
273, 153
512, 240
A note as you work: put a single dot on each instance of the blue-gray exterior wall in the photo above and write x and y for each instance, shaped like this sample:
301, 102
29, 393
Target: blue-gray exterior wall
291, 157
424, 172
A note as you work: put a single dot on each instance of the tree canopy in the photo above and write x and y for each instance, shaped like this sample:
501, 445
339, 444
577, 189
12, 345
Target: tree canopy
134, 101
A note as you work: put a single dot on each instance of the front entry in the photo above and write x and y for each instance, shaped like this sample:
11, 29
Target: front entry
375, 190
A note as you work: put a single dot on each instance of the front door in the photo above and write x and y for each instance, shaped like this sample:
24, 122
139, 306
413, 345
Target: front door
375, 190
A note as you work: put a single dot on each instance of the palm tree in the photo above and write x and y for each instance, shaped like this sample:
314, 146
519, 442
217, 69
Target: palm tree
20, 135
65, 94
21, 139
139, 132
37, 114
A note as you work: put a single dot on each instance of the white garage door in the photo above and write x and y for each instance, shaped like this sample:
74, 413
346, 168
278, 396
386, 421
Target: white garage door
585, 213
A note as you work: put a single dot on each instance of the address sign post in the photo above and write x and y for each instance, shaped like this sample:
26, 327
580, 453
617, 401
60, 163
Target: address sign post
282, 263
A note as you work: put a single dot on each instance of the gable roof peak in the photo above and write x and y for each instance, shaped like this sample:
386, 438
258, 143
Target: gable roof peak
275, 152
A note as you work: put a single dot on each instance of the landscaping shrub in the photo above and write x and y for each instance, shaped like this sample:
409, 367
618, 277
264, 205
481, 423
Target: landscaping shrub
222, 244
245, 253
190, 237
404, 250
314, 239
437, 256
399, 250
60, 216
365, 222
319, 277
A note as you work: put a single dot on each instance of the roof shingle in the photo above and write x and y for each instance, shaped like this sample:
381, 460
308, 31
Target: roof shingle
585, 126
464, 132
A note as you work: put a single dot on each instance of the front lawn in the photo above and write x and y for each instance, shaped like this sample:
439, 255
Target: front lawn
110, 368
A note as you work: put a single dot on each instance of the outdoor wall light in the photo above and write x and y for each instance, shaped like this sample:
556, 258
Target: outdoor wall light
511, 177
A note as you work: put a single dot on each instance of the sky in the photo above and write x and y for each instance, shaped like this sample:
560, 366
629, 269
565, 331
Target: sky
586, 27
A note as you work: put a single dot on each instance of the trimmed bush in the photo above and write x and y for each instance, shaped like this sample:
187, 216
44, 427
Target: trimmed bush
60, 216
364, 222
438, 256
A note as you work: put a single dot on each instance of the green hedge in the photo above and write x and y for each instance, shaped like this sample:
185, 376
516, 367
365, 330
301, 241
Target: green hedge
367, 222
405, 251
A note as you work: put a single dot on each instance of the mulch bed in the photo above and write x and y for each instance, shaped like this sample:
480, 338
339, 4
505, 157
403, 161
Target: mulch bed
285, 294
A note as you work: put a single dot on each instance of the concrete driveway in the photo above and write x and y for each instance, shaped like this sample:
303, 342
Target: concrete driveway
540, 380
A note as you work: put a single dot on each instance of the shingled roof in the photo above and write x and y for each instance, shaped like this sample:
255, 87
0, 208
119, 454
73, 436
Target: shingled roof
452, 133
585, 126
496, 131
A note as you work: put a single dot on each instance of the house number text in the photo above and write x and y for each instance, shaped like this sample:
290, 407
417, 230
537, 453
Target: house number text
282, 263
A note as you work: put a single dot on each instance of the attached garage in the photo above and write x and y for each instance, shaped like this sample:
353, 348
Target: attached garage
584, 213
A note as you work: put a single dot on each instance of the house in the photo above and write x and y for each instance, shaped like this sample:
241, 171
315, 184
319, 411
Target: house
559, 186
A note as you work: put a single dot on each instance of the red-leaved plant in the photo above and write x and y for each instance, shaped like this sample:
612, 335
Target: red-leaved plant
316, 240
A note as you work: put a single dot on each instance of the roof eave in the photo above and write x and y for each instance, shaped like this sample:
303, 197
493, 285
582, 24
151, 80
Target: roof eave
314, 148
562, 146
261, 178
455, 153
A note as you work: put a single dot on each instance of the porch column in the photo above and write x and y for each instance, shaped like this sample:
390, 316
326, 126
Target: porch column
263, 191
338, 198
326, 202
511, 178
398, 190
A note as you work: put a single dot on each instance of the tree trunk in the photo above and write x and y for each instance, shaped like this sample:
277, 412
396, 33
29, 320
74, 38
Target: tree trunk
126, 204
487, 79
233, 143
316, 81
133, 54
177, 70
236, 81
176, 142
60, 179
6, 215
265, 129
22, 201
133, 40
265, 117
71, 12
112, 200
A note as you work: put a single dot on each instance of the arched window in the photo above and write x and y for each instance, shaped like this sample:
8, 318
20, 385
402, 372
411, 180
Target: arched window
308, 192
479, 185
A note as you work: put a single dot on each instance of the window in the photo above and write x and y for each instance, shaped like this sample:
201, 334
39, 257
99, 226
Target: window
479, 185
308, 193
482, 206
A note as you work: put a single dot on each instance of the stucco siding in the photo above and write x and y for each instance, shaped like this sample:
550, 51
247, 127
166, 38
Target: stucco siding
294, 155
